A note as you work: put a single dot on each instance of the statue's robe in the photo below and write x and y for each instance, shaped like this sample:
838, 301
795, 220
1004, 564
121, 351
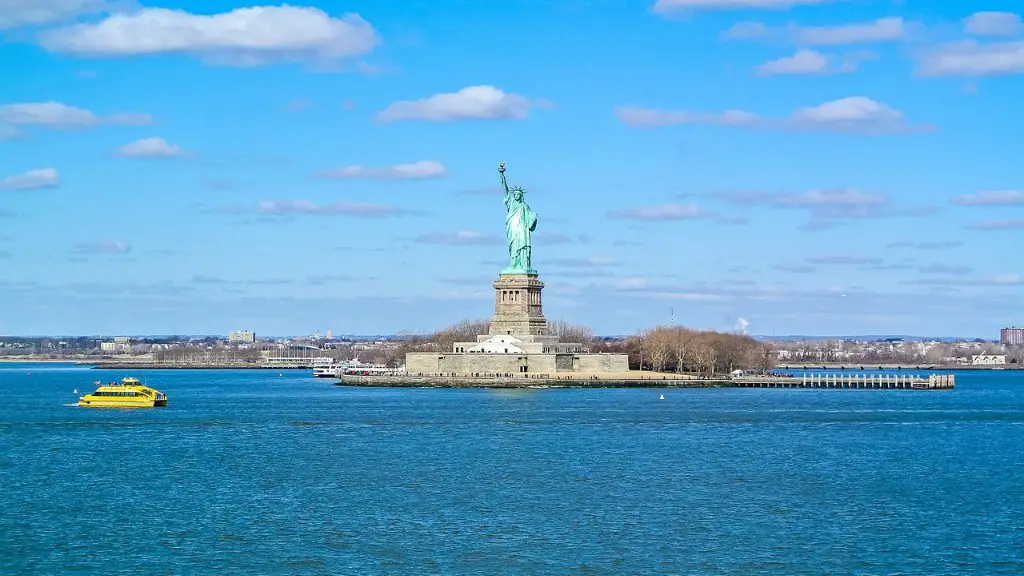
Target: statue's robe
520, 221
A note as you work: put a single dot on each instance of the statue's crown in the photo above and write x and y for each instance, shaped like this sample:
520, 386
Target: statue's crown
518, 189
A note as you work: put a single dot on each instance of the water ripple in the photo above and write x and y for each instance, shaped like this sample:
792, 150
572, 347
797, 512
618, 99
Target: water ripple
252, 473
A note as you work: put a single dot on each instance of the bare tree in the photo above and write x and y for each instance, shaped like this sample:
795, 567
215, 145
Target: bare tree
766, 356
937, 353
703, 357
992, 348
464, 331
726, 348
568, 332
1015, 355
681, 340
215, 355
658, 347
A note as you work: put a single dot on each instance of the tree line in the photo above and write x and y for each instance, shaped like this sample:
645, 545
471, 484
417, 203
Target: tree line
195, 355
684, 350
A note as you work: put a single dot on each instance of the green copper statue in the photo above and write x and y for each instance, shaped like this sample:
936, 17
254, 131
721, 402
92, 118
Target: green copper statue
520, 222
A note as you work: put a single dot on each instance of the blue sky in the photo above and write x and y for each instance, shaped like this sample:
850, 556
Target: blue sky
807, 166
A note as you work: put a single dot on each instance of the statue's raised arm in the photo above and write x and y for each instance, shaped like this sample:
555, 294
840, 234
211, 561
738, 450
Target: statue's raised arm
501, 173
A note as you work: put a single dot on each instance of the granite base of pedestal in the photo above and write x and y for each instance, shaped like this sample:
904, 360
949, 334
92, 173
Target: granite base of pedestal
486, 364
519, 341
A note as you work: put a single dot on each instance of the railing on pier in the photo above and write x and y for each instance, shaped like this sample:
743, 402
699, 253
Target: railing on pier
857, 381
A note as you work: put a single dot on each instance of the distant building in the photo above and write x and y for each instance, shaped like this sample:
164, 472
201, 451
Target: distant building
120, 345
988, 359
242, 336
1011, 336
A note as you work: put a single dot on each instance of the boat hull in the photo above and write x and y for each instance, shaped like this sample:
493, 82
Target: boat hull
97, 403
129, 393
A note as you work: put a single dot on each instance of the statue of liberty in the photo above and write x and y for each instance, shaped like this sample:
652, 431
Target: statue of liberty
520, 222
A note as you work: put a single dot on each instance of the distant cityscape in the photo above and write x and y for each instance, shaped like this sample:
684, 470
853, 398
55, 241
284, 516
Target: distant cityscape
244, 347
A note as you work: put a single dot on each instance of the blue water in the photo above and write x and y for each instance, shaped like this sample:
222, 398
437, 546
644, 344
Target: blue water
252, 472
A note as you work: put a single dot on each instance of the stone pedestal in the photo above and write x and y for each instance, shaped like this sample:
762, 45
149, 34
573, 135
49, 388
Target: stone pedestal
517, 306
519, 342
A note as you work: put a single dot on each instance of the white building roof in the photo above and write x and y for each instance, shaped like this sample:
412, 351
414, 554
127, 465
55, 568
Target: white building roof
501, 344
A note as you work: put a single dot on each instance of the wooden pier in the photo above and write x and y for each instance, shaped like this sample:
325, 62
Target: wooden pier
854, 381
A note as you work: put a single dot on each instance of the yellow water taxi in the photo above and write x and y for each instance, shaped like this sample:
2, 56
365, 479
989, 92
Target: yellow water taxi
128, 393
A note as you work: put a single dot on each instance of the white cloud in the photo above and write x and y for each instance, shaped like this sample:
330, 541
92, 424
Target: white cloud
836, 197
665, 6
994, 24
992, 198
151, 148
32, 180
14, 13
1006, 279
471, 103
803, 62
950, 269
992, 281
663, 212
818, 224
991, 225
649, 117
795, 268
252, 36
843, 260
634, 283
102, 247
414, 171
855, 113
691, 296
971, 58
844, 199
933, 245
852, 109
810, 62
293, 207
827, 207
881, 30
460, 238
858, 114
61, 116
876, 31
734, 220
